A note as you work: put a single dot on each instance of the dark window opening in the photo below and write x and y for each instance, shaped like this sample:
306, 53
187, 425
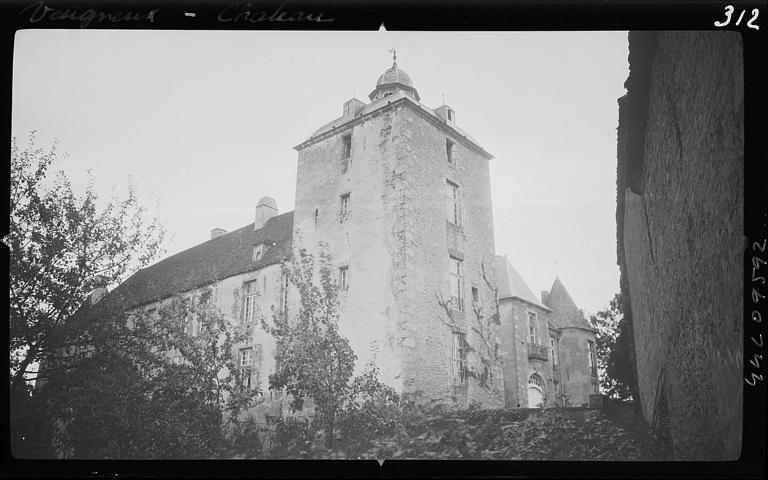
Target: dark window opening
345, 205
347, 146
343, 278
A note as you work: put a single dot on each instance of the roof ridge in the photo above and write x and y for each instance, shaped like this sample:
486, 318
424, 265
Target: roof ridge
214, 259
228, 234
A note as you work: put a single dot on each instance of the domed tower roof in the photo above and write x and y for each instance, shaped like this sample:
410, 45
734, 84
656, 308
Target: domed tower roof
392, 80
394, 75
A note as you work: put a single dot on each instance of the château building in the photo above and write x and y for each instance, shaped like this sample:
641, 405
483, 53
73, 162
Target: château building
399, 197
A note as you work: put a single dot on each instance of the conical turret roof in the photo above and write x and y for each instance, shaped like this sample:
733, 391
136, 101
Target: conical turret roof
565, 313
511, 284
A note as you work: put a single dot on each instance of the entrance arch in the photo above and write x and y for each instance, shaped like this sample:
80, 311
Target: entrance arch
535, 391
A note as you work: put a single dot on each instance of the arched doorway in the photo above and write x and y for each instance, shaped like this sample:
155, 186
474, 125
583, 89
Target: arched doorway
535, 391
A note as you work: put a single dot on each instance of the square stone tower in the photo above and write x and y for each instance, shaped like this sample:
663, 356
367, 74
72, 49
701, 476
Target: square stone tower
401, 197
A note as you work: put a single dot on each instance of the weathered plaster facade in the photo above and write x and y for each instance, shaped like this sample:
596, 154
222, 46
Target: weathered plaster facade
680, 241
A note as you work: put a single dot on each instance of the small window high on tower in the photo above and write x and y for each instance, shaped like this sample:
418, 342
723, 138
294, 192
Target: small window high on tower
347, 145
344, 206
449, 148
452, 203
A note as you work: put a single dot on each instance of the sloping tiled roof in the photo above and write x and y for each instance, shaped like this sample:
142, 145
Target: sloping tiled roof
218, 258
565, 313
511, 284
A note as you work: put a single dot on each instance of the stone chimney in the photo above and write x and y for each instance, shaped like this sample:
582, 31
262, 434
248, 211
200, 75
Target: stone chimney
544, 295
265, 209
99, 291
97, 294
217, 232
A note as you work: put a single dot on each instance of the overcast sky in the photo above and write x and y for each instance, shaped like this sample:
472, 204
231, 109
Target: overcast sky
205, 123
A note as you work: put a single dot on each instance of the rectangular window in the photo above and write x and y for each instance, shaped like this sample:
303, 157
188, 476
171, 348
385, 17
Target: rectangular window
457, 286
553, 353
284, 293
533, 329
344, 205
459, 358
452, 198
449, 147
475, 295
258, 250
246, 373
246, 357
246, 360
189, 320
317, 215
249, 305
450, 114
343, 278
346, 151
591, 358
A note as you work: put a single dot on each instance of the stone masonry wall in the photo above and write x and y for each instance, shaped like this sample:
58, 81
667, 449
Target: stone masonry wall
227, 295
394, 240
363, 240
518, 367
577, 382
428, 365
680, 204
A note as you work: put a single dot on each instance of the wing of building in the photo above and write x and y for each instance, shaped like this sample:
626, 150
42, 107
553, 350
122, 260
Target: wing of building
400, 198
550, 347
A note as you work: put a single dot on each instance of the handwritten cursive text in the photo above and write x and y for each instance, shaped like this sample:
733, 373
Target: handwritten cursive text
39, 11
235, 12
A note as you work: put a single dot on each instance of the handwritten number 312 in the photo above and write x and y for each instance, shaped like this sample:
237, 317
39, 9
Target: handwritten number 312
729, 11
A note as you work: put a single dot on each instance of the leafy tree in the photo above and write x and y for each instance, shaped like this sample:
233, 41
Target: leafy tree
62, 246
146, 387
314, 361
614, 349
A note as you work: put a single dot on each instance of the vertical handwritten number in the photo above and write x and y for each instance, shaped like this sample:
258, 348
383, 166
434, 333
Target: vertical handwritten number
752, 379
757, 317
756, 262
728, 12
755, 245
756, 296
760, 345
738, 22
756, 360
755, 12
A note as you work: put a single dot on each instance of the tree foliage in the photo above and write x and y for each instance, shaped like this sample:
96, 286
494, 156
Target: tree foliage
614, 349
62, 246
417, 431
314, 361
144, 386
